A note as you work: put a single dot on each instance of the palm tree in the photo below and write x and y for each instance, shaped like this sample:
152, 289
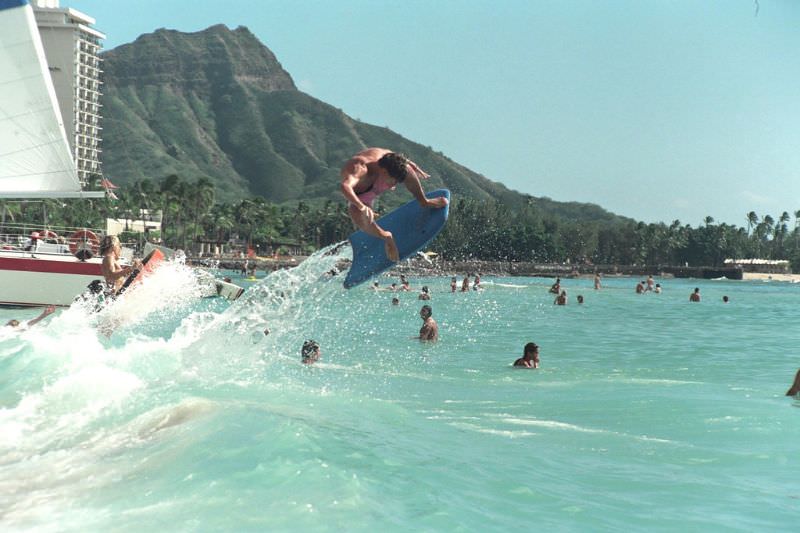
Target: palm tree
752, 221
10, 210
173, 194
202, 195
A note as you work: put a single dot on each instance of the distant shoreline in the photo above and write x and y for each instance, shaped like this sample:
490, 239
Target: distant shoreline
420, 267
765, 276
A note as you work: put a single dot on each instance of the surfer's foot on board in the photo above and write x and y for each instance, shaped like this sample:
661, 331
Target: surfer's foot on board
391, 250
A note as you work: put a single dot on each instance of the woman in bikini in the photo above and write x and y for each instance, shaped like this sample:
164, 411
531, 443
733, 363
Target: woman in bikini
372, 172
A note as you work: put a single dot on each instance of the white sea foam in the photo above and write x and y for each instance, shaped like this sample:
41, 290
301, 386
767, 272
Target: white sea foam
552, 424
492, 431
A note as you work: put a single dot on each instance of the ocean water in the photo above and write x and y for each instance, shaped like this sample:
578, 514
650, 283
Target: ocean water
648, 412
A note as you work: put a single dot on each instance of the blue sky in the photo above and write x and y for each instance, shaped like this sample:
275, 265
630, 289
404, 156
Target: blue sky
653, 109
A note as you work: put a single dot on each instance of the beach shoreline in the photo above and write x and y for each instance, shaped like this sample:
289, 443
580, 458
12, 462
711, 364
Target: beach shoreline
420, 267
765, 276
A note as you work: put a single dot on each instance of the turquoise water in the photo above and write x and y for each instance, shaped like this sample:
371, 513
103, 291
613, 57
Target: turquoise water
648, 412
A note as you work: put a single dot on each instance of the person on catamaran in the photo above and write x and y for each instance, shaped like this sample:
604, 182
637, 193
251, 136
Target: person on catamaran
113, 272
372, 172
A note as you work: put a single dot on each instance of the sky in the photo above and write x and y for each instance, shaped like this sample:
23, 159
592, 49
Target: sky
653, 109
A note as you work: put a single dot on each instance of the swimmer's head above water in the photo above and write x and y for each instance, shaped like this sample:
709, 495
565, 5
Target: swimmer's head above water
310, 352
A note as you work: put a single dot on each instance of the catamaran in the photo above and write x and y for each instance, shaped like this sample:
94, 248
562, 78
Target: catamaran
38, 267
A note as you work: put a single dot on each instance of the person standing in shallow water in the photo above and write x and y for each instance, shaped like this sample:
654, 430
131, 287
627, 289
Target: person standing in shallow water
370, 173
556, 287
530, 356
429, 332
794, 390
695, 296
561, 299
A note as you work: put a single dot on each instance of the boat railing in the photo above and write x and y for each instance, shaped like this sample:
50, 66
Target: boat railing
45, 231
82, 242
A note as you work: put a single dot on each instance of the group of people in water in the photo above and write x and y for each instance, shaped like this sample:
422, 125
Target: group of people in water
365, 176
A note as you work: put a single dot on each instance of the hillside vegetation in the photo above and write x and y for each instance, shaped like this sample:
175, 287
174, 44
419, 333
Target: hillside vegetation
217, 104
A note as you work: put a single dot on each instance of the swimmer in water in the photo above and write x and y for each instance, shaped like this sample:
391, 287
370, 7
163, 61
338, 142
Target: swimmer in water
695, 296
453, 284
372, 172
556, 287
476, 285
794, 390
310, 353
561, 299
424, 294
597, 282
13, 323
429, 332
530, 356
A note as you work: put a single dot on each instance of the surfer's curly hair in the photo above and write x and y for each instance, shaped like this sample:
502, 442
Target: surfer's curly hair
108, 243
395, 164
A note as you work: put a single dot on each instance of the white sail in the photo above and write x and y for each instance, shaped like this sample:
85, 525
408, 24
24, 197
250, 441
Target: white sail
35, 158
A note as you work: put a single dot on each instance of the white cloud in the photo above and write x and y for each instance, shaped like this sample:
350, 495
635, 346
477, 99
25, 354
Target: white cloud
682, 203
758, 198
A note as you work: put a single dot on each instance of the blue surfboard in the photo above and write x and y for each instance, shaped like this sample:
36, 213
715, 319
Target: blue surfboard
413, 227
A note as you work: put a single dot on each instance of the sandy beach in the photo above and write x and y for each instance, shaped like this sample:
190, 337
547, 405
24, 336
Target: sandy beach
793, 278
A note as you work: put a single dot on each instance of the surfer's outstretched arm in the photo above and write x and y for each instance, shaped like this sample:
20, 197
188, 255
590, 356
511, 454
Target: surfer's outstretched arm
415, 188
47, 310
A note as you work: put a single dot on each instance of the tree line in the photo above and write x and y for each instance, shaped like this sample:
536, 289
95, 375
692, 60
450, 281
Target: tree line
482, 230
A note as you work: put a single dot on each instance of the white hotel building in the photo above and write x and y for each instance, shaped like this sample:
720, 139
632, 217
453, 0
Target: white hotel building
72, 49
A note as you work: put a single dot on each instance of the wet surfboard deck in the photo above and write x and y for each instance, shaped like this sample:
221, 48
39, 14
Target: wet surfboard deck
149, 264
413, 227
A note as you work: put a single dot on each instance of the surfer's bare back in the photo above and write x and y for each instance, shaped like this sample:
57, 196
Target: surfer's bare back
370, 173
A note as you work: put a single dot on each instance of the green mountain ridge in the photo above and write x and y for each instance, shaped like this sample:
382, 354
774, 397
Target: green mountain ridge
217, 103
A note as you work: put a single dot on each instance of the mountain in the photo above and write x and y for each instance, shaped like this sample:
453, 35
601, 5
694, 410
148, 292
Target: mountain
217, 103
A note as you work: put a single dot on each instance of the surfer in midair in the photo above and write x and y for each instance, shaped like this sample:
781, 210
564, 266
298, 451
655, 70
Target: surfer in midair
370, 173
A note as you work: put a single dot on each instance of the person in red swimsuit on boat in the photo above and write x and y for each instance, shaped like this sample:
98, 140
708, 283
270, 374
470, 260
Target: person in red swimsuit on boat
370, 173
